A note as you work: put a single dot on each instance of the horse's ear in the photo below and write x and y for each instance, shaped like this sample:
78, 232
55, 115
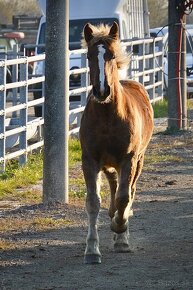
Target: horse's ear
88, 32
114, 31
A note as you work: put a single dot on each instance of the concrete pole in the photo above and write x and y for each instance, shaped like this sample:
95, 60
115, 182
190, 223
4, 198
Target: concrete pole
174, 123
55, 172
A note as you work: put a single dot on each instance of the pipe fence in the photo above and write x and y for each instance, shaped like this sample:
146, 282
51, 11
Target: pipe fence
21, 130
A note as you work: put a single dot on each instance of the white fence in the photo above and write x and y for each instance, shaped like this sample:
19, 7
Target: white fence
21, 131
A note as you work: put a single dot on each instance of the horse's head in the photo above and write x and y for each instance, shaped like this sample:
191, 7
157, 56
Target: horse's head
102, 61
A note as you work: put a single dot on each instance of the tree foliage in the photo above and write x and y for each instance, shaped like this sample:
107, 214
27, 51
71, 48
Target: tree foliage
8, 8
158, 12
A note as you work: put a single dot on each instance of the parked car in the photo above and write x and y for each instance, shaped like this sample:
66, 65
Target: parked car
154, 32
7, 42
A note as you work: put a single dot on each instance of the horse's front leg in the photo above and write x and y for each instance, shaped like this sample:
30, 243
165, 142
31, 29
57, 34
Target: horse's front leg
124, 198
92, 179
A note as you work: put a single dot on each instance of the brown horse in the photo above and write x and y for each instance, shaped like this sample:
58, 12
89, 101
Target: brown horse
116, 128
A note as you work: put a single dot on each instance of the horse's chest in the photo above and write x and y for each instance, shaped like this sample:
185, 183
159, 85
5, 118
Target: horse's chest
110, 145
106, 137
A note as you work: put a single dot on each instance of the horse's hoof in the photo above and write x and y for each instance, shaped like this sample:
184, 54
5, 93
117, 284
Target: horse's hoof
122, 248
118, 228
92, 259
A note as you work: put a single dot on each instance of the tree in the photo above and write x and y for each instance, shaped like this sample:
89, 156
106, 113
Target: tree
8, 8
158, 12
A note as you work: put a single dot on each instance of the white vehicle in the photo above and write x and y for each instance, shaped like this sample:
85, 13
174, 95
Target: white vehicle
133, 22
189, 54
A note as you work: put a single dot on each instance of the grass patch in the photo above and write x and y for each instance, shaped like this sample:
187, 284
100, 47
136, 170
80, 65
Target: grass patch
32, 224
160, 109
74, 152
18, 177
155, 158
190, 104
11, 225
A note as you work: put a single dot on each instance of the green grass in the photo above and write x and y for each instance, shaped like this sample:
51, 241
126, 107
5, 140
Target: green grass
17, 177
74, 152
160, 109
158, 157
190, 104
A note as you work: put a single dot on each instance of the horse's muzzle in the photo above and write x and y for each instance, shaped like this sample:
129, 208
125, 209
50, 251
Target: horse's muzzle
101, 96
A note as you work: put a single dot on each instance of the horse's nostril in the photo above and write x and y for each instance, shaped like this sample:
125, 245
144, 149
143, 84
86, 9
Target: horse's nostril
108, 89
96, 92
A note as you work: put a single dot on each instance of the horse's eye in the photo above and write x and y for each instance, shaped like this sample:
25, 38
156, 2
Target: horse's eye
109, 57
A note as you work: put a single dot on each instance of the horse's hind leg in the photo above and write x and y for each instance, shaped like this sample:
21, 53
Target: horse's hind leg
92, 179
121, 241
137, 174
123, 199
111, 176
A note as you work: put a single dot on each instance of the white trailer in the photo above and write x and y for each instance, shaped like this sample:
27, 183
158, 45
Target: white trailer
131, 15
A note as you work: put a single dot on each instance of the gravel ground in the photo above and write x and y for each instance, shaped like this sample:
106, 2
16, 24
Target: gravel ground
161, 235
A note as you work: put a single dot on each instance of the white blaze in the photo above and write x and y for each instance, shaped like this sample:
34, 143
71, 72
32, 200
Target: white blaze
101, 63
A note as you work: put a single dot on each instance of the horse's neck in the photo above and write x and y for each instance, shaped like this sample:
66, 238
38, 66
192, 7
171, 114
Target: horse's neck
119, 100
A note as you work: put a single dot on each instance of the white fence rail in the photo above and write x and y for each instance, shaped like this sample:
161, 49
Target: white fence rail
21, 131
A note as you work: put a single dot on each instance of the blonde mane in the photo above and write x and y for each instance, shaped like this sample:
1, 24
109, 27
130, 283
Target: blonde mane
101, 33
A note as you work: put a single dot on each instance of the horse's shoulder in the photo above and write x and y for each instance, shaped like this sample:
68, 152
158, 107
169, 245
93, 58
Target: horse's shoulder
137, 94
131, 84
134, 88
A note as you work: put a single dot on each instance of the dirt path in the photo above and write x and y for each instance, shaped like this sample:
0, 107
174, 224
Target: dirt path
161, 236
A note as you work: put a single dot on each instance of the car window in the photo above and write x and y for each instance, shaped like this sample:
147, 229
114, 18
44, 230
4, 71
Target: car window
189, 44
41, 39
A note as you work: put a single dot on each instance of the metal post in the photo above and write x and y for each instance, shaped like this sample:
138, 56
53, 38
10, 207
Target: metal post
160, 75
15, 79
3, 71
174, 90
23, 113
183, 76
152, 66
84, 79
55, 175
